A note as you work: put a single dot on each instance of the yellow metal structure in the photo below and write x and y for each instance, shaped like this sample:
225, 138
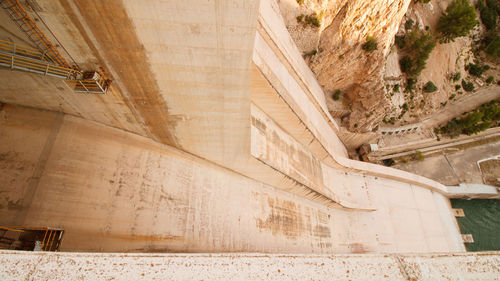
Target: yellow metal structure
29, 26
92, 82
47, 62
51, 236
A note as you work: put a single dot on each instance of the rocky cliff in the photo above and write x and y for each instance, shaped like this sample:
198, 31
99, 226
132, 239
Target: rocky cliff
333, 51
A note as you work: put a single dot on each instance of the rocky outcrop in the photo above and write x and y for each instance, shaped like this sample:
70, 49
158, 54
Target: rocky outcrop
340, 62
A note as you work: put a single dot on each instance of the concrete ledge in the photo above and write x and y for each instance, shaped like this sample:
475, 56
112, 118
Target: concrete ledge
17, 265
475, 191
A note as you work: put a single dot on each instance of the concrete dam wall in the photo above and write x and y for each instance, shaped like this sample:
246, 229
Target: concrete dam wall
214, 136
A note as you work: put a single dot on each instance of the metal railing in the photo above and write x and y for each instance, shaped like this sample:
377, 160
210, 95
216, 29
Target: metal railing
47, 62
23, 50
15, 61
15, 56
92, 82
50, 242
19, 15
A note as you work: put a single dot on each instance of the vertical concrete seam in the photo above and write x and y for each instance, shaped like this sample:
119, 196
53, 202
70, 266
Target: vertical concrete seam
39, 169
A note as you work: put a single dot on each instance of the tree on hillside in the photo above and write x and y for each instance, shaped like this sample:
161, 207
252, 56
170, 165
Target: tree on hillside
417, 45
458, 20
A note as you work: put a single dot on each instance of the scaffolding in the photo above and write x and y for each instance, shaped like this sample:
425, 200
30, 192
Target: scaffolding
46, 60
26, 23
15, 56
30, 238
92, 82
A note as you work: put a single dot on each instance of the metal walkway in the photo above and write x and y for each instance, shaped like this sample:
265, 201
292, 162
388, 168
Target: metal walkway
15, 56
25, 58
46, 60
26, 23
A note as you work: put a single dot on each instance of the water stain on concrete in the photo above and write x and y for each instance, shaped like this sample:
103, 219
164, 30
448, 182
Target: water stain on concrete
123, 51
357, 248
285, 219
322, 231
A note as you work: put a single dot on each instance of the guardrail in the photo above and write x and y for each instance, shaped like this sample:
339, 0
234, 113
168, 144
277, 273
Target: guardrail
20, 57
92, 82
15, 61
23, 50
19, 15
47, 62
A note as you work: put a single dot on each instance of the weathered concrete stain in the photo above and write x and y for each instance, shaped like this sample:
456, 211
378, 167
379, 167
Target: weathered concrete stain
285, 218
322, 231
124, 52
357, 248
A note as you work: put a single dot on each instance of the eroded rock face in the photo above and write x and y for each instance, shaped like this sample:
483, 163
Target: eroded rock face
340, 62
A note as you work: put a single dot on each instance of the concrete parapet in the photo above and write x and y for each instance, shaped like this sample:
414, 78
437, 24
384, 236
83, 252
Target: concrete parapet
473, 191
122, 266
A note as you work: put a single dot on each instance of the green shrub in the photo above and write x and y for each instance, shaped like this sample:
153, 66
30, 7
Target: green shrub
468, 86
418, 45
493, 4
457, 87
458, 20
429, 87
489, 18
313, 19
490, 79
310, 53
406, 64
300, 18
336, 95
482, 118
396, 87
400, 42
475, 69
456, 76
452, 96
409, 24
488, 15
493, 48
410, 85
370, 45
388, 162
419, 156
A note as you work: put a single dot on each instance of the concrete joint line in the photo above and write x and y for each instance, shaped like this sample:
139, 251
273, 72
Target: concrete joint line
39, 169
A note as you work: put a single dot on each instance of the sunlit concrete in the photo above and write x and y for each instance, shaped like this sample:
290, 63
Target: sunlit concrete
214, 137
75, 266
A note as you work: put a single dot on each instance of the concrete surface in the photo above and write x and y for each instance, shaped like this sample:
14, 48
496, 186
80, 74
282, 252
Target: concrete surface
474, 191
83, 266
127, 193
169, 159
454, 167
